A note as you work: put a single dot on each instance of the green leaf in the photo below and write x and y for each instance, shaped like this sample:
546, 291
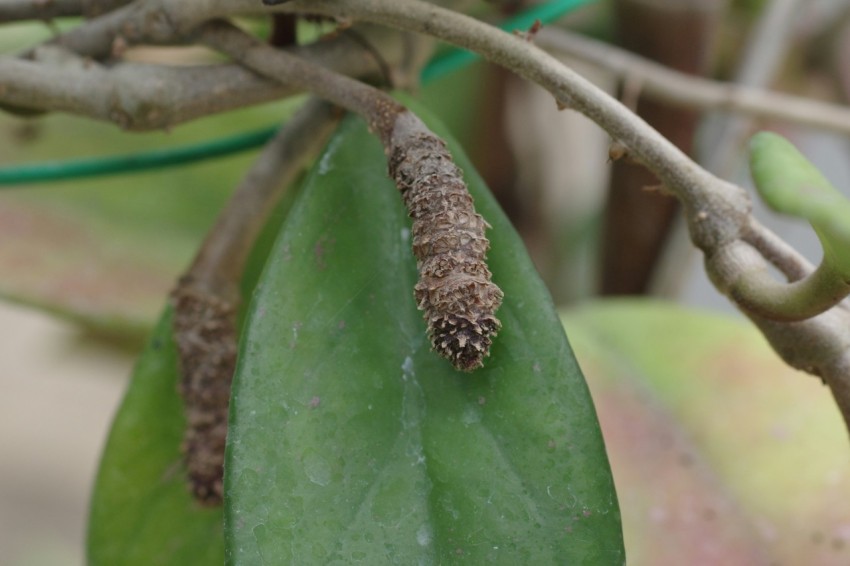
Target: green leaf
789, 183
142, 512
721, 453
351, 443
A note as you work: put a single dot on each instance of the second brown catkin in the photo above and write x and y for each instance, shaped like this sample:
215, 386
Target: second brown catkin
455, 290
206, 338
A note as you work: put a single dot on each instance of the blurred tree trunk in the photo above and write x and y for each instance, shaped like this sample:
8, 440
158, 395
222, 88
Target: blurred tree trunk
679, 34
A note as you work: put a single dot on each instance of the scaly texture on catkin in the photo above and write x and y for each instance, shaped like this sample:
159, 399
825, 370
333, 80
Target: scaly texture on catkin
455, 290
205, 334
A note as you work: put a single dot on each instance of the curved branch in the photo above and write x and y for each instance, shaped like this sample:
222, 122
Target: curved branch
741, 273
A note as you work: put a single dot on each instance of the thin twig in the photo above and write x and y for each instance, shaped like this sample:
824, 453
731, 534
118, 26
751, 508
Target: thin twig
718, 212
690, 91
166, 22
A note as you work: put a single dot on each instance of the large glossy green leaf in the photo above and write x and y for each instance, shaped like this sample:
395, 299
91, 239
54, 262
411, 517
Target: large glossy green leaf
142, 512
351, 443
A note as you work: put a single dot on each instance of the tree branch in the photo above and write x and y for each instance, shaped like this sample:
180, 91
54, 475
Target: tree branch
140, 97
376, 107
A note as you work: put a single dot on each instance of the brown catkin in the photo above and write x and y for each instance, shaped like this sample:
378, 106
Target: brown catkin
454, 290
205, 334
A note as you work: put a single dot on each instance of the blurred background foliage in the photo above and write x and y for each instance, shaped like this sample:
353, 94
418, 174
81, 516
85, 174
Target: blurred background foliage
104, 252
